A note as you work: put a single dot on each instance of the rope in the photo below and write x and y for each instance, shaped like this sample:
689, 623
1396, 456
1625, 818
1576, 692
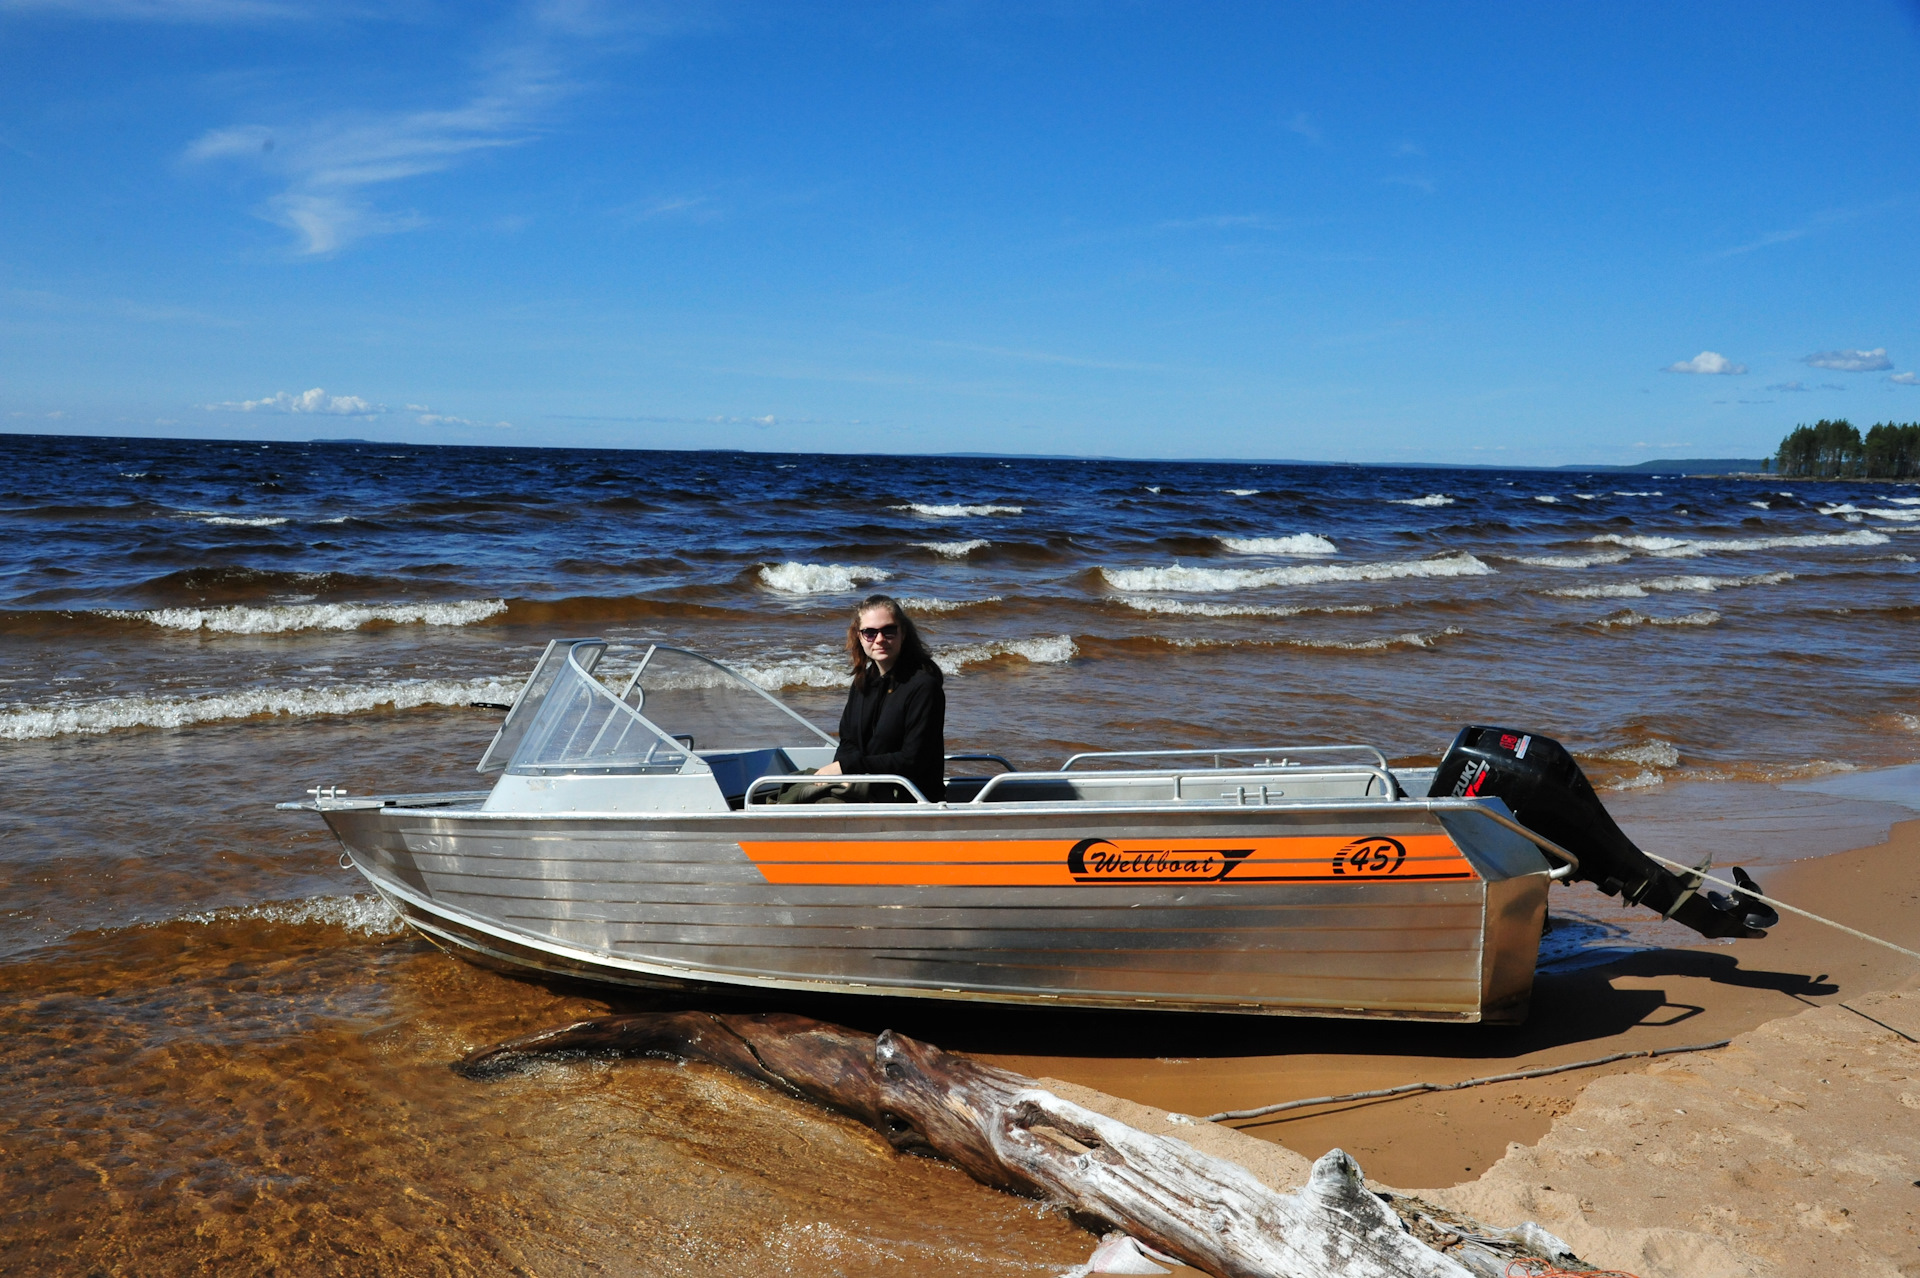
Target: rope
1527, 1267
1454, 1087
1782, 905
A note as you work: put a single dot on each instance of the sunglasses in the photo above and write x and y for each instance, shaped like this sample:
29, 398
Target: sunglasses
874, 632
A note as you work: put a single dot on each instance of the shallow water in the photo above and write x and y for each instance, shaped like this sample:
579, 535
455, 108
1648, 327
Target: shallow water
214, 1054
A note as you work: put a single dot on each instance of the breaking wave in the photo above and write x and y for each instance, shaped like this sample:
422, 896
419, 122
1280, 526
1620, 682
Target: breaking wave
793, 578
1048, 650
954, 549
1569, 561
1667, 585
30, 723
1181, 577
1894, 516
231, 521
1297, 544
1431, 499
948, 605
957, 512
242, 619
1704, 617
1179, 607
1689, 547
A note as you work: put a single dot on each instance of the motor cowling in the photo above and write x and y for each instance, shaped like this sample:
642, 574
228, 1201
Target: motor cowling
1548, 793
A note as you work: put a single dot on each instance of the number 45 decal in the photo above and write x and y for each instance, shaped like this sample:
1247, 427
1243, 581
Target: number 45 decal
1376, 855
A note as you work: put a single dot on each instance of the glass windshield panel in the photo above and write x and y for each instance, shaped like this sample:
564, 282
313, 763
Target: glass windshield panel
581, 726
690, 696
513, 729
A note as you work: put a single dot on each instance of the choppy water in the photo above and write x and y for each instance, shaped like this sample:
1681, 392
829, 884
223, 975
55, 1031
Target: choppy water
203, 1032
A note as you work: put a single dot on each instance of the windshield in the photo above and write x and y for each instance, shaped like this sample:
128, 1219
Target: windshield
692, 697
565, 720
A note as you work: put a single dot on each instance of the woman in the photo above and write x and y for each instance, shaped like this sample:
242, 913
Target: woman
896, 715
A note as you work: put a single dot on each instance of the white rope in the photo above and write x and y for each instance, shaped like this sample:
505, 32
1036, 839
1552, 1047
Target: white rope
1782, 905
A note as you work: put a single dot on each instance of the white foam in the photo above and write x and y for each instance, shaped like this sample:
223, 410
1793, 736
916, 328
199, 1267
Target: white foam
1180, 607
28, 723
264, 521
1893, 516
1551, 501
1571, 561
1410, 639
1705, 617
1653, 754
1181, 577
1759, 505
957, 512
1668, 585
365, 915
1898, 501
1687, 548
1431, 499
919, 604
1047, 650
1239, 492
242, 619
793, 578
954, 549
795, 674
1619, 493
1297, 544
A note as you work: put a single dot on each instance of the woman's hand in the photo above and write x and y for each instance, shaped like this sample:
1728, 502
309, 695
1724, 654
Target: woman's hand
831, 770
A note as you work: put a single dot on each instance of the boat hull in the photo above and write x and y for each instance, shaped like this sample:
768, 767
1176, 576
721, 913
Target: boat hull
1384, 909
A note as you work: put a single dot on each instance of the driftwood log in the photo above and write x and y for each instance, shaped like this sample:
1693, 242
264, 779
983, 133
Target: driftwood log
1005, 1130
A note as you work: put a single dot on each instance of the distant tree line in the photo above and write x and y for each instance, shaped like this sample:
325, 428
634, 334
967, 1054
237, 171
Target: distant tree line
1834, 450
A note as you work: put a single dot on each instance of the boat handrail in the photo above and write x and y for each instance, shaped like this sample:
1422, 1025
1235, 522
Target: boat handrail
1219, 751
1540, 841
775, 782
981, 758
1390, 789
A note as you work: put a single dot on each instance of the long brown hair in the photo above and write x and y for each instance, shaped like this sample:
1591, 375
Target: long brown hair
913, 649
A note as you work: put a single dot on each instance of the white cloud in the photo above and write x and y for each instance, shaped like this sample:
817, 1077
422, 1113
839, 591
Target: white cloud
312, 401
1873, 361
1706, 362
1905, 379
442, 419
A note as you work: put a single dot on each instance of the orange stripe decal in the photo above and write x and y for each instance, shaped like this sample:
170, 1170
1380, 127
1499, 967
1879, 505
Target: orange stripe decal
1097, 861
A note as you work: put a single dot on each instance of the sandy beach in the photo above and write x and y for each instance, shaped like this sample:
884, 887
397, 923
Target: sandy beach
1793, 1151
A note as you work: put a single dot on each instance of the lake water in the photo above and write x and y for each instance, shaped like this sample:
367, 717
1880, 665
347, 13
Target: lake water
216, 1050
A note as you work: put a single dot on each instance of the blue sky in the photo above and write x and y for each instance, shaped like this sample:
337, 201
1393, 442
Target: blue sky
1525, 234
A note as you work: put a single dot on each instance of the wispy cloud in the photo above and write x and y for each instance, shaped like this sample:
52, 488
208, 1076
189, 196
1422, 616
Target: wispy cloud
1905, 379
1790, 386
1709, 362
1873, 361
312, 401
1818, 222
428, 417
329, 168
1302, 125
1222, 222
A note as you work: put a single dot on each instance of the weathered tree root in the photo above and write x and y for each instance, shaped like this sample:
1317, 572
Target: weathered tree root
1006, 1131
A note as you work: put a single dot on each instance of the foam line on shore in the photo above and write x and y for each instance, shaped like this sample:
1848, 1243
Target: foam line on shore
268, 619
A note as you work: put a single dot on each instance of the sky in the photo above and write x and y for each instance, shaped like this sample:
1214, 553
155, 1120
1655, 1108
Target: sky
1496, 234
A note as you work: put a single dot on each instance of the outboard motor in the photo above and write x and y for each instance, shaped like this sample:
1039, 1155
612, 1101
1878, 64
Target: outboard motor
1546, 792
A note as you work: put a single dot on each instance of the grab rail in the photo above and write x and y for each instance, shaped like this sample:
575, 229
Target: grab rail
1219, 751
774, 783
1390, 788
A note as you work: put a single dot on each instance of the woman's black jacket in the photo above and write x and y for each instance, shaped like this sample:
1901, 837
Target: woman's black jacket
897, 722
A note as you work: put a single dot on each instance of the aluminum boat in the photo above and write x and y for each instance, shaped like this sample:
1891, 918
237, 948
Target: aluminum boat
634, 836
